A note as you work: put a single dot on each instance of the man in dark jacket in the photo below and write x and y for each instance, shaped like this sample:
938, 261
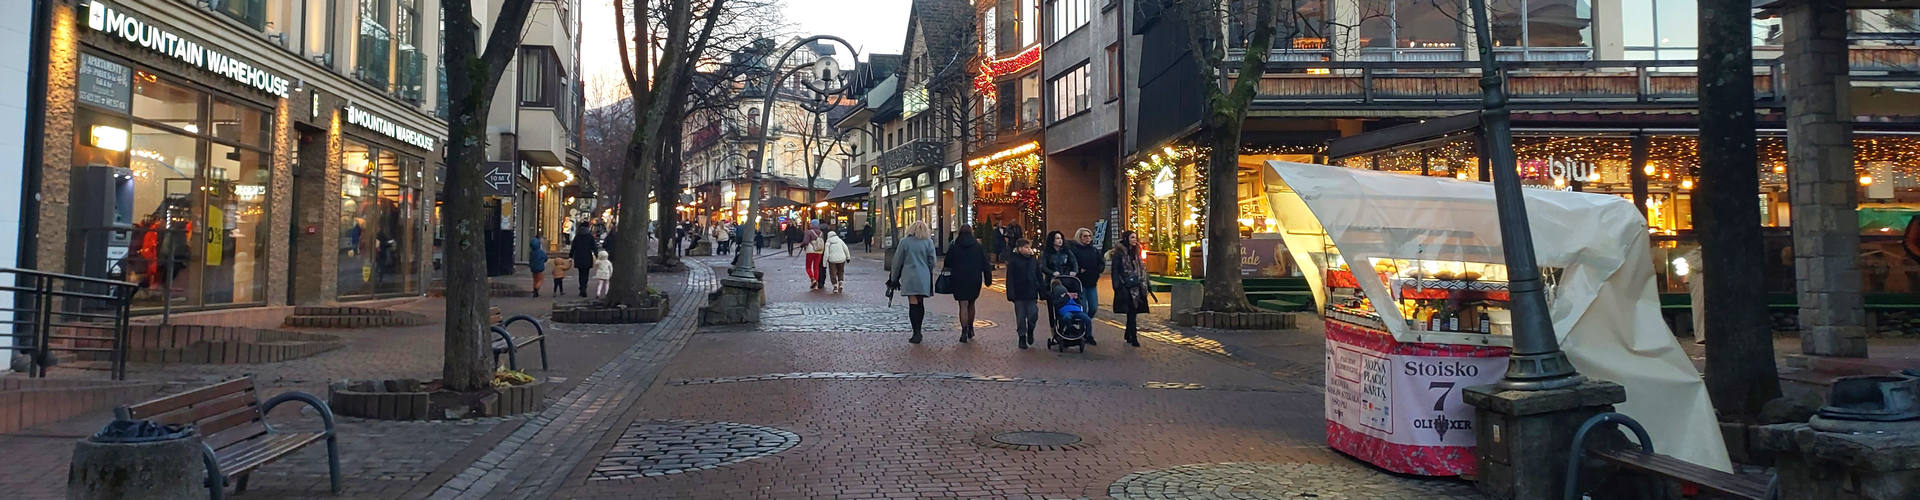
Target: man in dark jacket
1090, 267
1023, 289
583, 248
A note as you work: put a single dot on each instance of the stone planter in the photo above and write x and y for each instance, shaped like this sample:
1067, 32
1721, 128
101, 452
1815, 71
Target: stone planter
408, 399
597, 313
351, 317
1236, 321
218, 345
159, 470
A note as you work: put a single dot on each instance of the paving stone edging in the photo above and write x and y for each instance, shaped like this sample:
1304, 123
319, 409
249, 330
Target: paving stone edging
550, 444
969, 377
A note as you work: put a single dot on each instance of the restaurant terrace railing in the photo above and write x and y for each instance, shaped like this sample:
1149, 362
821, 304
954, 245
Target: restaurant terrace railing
1296, 85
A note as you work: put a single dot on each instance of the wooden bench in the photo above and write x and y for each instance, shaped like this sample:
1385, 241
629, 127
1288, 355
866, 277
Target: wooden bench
511, 346
232, 426
1645, 461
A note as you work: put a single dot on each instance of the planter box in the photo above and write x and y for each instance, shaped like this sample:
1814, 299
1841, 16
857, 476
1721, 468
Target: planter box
597, 314
406, 399
1236, 321
1158, 262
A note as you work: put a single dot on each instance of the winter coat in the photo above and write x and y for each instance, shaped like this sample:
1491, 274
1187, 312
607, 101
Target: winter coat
1061, 263
584, 246
602, 268
968, 263
719, 233
913, 266
537, 255
1129, 282
1024, 280
837, 252
1090, 265
561, 266
814, 243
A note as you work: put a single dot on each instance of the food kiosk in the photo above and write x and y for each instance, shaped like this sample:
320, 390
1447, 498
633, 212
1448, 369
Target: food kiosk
1409, 275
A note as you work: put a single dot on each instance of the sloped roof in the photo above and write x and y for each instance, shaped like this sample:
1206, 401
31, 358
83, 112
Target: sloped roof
947, 23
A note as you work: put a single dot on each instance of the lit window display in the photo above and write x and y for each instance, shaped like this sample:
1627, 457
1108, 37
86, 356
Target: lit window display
180, 181
1167, 199
1006, 187
1888, 168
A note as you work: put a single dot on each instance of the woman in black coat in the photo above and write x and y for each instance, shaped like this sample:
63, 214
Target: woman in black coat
1057, 261
967, 262
1129, 283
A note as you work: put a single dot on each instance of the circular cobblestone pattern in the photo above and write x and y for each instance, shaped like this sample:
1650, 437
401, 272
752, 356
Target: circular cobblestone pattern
1279, 480
1036, 438
820, 318
661, 447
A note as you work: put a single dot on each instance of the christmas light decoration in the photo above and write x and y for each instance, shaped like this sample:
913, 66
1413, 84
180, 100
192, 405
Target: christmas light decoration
993, 69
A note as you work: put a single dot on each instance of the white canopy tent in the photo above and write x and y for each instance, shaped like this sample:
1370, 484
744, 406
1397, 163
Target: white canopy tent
1606, 314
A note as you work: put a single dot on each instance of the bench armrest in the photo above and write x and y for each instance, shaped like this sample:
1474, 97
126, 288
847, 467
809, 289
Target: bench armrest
326, 414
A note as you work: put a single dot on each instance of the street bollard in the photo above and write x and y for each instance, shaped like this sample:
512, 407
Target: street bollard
155, 463
1865, 445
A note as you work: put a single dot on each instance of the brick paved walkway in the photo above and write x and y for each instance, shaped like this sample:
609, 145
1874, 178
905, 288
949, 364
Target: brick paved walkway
877, 417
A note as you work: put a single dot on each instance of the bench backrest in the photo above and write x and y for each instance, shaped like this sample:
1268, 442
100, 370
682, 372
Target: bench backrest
224, 413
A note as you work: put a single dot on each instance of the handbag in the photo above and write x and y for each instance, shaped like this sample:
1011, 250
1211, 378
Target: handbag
944, 283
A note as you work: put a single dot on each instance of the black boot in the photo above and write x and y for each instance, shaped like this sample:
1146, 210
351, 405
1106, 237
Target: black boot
915, 313
1133, 338
1025, 340
1089, 338
966, 333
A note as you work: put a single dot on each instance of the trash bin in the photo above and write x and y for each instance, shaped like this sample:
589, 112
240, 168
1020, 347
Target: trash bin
138, 459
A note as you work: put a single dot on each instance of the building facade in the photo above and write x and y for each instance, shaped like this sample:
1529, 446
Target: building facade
175, 133
1082, 66
535, 170
720, 143
1603, 100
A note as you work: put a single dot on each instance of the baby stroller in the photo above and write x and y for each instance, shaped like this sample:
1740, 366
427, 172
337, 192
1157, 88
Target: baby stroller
1069, 322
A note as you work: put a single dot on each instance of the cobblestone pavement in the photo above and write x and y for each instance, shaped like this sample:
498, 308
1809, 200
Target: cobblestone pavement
880, 418
380, 459
1282, 480
661, 447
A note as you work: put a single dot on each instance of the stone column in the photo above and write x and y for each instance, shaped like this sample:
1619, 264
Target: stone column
1826, 238
56, 174
317, 254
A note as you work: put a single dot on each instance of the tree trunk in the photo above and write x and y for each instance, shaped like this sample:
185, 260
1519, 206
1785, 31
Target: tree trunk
629, 283
1741, 376
667, 197
1224, 291
468, 364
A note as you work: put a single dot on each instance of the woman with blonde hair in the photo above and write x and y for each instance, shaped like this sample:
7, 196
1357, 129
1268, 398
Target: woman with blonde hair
913, 272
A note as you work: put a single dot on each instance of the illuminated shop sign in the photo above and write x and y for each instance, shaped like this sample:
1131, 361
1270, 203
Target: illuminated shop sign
386, 127
154, 38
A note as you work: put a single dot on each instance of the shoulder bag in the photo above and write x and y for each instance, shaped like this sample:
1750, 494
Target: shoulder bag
944, 283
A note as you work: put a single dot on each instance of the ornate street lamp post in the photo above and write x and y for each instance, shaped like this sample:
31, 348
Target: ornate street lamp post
827, 84
1537, 362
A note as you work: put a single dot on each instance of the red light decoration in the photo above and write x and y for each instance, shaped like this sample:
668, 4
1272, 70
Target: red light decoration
995, 68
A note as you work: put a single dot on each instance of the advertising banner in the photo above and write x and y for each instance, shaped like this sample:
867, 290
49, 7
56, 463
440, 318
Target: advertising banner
1398, 406
1263, 258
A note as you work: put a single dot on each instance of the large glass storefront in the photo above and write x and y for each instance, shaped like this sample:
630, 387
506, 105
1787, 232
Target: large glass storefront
1167, 200
1888, 168
170, 187
380, 224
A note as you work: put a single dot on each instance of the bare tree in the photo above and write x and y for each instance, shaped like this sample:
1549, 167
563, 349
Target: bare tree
605, 130
654, 78
1226, 111
472, 77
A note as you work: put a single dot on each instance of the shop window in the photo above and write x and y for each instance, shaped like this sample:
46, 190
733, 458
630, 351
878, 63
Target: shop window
1527, 26
380, 226
166, 103
235, 229
1303, 24
241, 124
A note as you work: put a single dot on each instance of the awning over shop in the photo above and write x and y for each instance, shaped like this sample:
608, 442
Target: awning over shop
1401, 135
779, 202
847, 189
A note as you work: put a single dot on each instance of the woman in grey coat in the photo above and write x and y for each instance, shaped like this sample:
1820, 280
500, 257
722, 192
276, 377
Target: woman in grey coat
913, 272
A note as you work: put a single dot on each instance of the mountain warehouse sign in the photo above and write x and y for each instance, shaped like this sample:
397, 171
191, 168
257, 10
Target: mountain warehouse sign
152, 37
387, 128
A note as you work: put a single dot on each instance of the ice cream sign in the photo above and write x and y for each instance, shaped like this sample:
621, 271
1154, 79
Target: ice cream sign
152, 37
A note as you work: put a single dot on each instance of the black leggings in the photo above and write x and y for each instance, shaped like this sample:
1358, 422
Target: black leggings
1133, 326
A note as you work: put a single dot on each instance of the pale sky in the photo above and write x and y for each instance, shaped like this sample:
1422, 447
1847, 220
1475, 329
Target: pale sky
871, 25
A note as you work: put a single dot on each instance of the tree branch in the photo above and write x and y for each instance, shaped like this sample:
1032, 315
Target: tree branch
504, 41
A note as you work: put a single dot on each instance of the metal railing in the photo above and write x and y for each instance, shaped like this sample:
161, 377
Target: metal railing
53, 312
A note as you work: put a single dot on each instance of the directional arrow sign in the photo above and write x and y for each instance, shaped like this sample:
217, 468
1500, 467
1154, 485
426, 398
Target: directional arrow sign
501, 181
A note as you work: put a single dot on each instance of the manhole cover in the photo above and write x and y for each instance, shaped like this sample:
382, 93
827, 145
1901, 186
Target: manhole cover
1035, 438
660, 447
